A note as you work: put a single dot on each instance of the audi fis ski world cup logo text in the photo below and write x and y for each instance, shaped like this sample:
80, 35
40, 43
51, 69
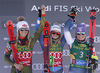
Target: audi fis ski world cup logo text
65, 8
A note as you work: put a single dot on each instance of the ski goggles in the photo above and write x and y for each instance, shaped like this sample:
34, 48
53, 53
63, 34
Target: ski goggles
24, 29
57, 33
79, 33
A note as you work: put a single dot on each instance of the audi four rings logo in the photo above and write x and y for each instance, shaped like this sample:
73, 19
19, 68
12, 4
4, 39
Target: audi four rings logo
26, 55
96, 39
66, 52
37, 66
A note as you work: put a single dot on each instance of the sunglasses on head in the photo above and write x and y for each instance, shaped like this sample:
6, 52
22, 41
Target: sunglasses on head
78, 33
57, 33
24, 29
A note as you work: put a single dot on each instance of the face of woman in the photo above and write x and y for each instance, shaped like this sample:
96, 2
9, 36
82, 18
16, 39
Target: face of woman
23, 32
55, 34
81, 35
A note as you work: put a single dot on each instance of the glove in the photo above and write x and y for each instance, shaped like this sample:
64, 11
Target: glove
94, 60
73, 13
95, 66
39, 13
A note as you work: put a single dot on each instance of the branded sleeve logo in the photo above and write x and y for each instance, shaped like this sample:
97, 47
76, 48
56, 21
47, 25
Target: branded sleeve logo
8, 46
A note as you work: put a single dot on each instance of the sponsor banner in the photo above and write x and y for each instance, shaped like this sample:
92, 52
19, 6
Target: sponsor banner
39, 66
65, 8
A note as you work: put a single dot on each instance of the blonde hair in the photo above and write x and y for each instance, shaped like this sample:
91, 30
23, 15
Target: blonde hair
58, 39
21, 18
55, 23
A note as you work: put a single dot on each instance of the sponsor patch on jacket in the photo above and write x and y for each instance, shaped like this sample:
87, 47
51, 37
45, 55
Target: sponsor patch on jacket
6, 50
74, 53
79, 62
8, 46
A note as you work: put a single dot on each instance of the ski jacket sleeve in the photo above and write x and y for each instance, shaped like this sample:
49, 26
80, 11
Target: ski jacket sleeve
63, 41
67, 33
41, 41
39, 31
7, 55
